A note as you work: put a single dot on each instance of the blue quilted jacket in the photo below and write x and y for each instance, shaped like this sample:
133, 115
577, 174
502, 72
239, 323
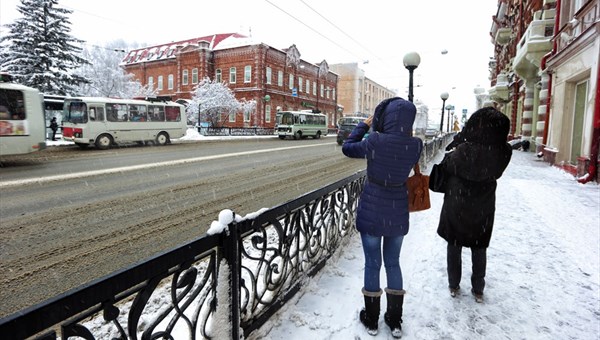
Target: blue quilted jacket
391, 152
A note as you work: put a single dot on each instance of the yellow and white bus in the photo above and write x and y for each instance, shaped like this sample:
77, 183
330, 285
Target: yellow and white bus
104, 122
22, 128
301, 124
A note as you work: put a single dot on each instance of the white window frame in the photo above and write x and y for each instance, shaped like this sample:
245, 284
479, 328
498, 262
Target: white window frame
247, 73
291, 81
194, 76
300, 80
184, 77
160, 83
280, 78
267, 113
268, 75
151, 83
232, 71
170, 82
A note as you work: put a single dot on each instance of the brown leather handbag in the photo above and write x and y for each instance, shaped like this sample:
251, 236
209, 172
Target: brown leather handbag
418, 191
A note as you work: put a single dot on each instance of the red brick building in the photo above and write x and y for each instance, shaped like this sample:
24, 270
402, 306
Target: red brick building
276, 79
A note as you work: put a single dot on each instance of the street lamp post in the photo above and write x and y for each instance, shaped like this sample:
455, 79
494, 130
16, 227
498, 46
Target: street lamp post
411, 62
449, 107
444, 96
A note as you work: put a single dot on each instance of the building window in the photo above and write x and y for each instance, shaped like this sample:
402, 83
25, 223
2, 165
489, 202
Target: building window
267, 113
333, 96
170, 82
184, 77
160, 83
247, 73
246, 116
194, 76
314, 88
291, 81
218, 76
307, 86
300, 84
268, 75
279, 78
322, 89
151, 83
232, 75
232, 117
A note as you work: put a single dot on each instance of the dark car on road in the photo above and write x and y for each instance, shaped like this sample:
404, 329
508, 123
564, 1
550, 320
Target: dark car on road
345, 126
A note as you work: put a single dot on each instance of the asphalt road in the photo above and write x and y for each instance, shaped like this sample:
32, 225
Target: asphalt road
69, 216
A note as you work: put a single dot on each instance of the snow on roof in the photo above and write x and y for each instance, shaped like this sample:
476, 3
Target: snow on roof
166, 51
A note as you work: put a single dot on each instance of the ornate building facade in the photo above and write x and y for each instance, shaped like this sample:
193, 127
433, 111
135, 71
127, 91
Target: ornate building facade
544, 76
276, 79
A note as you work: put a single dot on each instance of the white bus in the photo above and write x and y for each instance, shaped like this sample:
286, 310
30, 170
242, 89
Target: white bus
301, 124
104, 122
22, 128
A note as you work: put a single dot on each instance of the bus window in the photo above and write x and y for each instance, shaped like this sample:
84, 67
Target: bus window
11, 105
157, 113
137, 113
116, 112
96, 113
172, 113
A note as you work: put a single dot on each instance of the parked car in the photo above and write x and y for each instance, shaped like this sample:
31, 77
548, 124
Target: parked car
345, 126
431, 133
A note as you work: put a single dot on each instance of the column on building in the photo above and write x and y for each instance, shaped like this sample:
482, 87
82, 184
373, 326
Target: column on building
526, 121
541, 113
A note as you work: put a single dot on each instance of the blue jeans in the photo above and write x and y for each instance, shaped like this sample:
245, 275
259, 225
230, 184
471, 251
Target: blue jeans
391, 258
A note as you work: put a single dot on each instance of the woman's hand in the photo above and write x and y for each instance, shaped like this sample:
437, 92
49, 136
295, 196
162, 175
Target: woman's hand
369, 120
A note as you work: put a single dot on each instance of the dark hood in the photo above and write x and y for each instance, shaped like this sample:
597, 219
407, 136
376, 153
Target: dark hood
394, 116
487, 126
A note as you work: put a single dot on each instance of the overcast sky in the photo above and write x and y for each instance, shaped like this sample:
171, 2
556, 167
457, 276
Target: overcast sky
379, 31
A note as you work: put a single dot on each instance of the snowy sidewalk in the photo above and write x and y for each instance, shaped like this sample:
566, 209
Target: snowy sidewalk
542, 282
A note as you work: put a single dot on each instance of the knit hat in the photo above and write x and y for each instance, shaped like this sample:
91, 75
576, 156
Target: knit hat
487, 126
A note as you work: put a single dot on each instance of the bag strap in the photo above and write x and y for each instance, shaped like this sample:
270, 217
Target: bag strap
417, 169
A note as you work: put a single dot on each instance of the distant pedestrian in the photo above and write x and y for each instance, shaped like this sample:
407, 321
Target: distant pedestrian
480, 154
382, 217
54, 127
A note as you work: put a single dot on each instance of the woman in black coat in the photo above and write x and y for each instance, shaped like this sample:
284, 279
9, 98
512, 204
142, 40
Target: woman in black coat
480, 156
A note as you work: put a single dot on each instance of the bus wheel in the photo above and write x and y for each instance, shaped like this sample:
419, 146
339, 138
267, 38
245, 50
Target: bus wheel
281, 137
104, 141
82, 145
298, 135
318, 135
162, 139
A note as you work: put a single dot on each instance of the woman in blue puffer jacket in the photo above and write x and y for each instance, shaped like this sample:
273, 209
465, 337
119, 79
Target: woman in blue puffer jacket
382, 217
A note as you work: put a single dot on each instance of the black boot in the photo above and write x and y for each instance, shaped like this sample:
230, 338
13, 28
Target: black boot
369, 316
393, 315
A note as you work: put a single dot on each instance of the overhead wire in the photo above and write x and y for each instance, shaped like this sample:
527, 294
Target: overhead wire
312, 29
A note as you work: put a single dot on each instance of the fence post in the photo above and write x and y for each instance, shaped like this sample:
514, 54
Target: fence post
232, 255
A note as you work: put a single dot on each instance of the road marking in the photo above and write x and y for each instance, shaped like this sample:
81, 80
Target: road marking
40, 180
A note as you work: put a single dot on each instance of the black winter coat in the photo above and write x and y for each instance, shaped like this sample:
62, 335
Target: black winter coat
467, 216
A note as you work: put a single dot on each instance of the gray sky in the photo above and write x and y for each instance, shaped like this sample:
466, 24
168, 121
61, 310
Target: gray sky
380, 31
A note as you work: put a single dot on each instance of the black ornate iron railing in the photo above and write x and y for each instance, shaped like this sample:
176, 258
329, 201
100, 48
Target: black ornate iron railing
215, 287
212, 288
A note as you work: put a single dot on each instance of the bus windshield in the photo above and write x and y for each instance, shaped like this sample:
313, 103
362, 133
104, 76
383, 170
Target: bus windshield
285, 118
